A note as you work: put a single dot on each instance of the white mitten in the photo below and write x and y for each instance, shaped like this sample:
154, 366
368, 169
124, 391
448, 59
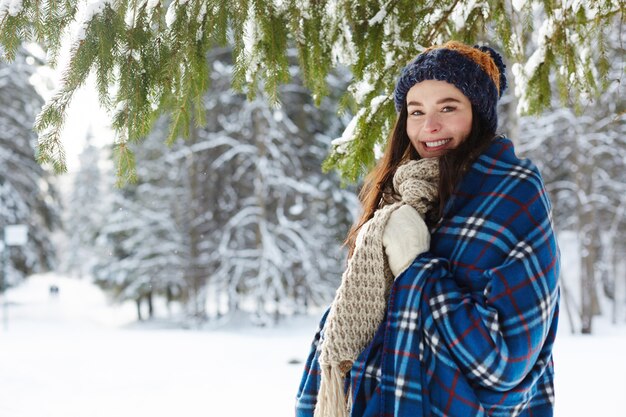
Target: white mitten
405, 236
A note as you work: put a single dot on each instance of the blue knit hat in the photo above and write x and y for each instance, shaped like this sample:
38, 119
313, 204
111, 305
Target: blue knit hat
478, 72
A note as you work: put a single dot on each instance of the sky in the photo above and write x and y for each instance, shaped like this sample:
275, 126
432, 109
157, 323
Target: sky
84, 114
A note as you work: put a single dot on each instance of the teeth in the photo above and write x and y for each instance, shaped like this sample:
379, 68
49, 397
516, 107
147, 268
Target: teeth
437, 143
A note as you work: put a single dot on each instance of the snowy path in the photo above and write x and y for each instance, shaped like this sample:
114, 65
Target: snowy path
72, 357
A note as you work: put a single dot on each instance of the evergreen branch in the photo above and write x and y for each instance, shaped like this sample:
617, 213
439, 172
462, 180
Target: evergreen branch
600, 19
125, 164
435, 30
166, 71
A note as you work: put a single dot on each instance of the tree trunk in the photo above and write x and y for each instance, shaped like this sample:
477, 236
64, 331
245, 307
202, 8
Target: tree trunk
169, 297
150, 304
587, 236
260, 191
587, 278
616, 285
566, 302
138, 304
193, 275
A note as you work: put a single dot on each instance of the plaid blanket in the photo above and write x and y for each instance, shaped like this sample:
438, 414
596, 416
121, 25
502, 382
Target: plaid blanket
470, 324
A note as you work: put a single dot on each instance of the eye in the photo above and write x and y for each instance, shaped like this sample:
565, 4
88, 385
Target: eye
448, 109
416, 113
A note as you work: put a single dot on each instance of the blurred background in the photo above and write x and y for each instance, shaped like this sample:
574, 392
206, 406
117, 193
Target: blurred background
197, 289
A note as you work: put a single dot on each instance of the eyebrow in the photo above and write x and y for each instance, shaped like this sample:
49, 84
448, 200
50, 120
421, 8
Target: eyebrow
443, 100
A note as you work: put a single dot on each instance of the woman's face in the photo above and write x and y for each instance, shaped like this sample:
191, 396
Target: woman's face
439, 117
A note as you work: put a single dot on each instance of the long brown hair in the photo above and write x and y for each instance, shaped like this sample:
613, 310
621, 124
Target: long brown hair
378, 189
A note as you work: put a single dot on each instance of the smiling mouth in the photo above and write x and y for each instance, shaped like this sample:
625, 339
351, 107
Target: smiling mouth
437, 143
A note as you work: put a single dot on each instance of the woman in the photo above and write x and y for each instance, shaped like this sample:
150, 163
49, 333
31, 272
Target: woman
449, 303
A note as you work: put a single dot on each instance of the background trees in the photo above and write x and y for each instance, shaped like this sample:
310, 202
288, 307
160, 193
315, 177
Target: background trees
582, 157
140, 246
239, 217
244, 184
27, 193
84, 214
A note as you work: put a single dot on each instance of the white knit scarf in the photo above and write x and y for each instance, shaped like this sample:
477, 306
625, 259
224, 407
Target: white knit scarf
361, 299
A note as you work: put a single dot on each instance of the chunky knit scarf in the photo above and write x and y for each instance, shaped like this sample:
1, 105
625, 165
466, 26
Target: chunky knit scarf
360, 302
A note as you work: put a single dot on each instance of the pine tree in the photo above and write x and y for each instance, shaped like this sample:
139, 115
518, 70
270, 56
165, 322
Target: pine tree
84, 214
240, 217
142, 248
276, 220
149, 55
27, 193
582, 159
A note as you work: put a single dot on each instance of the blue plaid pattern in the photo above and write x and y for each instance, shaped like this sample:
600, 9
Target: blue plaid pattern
470, 325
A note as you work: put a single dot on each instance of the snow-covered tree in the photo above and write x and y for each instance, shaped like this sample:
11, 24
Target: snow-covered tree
27, 193
240, 216
582, 157
149, 55
84, 212
142, 247
276, 221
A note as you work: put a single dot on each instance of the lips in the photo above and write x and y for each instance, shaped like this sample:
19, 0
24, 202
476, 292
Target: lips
436, 143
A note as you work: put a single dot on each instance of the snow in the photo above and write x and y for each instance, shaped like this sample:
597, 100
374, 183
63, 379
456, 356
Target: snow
518, 5
376, 103
545, 32
378, 17
591, 10
343, 49
121, 106
199, 19
434, 16
361, 89
460, 14
14, 7
75, 356
131, 14
152, 4
590, 373
341, 143
526, 72
170, 16
251, 33
86, 13
280, 6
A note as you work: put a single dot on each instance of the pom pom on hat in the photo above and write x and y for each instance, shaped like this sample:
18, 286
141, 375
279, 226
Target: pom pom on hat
478, 72
497, 59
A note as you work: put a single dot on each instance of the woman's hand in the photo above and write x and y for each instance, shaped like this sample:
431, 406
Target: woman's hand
405, 236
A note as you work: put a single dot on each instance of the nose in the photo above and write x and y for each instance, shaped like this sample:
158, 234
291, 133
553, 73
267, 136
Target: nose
432, 123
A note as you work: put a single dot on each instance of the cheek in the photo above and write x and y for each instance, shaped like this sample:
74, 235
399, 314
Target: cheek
463, 126
468, 124
412, 129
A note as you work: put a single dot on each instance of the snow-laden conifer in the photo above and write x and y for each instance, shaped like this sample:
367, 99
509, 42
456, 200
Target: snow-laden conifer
582, 157
149, 55
27, 192
239, 217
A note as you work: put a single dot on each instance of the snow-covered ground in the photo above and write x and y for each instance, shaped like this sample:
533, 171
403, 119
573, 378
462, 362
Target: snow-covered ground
76, 356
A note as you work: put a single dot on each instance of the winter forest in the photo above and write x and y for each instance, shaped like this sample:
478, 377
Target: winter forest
226, 209
227, 180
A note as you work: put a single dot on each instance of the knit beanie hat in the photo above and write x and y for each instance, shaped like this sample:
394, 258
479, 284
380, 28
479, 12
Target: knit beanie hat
478, 72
